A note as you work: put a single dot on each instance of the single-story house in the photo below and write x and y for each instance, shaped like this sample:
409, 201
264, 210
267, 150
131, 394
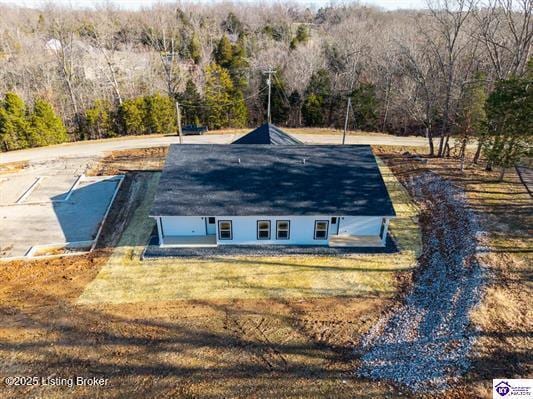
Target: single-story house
256, 194
267, 134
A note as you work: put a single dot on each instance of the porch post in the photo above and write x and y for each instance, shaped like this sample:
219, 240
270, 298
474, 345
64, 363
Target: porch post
160, 231
385, 230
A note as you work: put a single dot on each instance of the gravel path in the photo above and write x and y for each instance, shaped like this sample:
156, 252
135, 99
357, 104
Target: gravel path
424, 344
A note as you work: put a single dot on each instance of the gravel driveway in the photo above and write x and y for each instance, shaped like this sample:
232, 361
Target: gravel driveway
424, 344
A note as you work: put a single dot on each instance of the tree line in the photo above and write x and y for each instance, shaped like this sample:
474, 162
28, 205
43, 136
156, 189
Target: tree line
456, 69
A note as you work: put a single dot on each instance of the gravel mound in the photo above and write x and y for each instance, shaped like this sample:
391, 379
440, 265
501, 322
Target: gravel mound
424, 344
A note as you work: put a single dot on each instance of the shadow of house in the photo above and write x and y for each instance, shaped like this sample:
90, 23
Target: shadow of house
82, 214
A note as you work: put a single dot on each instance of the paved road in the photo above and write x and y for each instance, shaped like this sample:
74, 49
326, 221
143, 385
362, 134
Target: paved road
99, 147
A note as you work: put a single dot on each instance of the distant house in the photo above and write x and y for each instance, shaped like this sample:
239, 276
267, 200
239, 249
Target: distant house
261, 194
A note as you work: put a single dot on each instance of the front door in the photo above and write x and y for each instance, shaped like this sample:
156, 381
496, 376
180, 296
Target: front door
211, 225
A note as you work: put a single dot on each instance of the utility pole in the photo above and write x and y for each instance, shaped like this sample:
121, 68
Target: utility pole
269, 83
348, 106
178, 120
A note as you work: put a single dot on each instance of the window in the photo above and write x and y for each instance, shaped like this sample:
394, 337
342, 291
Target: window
224, 230
263, 229
211, 220
321, 229
333, 220
282, 229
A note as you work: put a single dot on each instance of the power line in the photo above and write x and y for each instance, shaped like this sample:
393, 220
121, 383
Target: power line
226, 104
282, 89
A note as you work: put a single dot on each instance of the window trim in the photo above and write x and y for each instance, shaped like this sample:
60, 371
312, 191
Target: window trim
230, 230
327, 230
288, 229
269, 230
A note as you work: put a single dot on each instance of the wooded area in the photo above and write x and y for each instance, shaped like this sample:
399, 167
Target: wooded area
459, 67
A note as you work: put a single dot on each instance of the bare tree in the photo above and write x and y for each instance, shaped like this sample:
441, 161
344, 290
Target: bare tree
62, 34
161, 30
505, 29
446, 36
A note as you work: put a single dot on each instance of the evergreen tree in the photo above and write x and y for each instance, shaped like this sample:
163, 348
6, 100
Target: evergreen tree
302, 36
509, 111
312, 110
239, 64
217, 95
276, 32
238, 111
132, 116
225, 104
295, 102
98, 122
234, 59
232, 24
47, 128
364, 104
195, 48
159, 114
193, 105
317, 98
224, 52
15, 132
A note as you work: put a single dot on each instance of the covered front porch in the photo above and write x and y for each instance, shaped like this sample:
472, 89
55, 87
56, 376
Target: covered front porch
205, 241
356, 241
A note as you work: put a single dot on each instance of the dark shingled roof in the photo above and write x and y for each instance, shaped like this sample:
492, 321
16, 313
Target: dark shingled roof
230, 180
267, 134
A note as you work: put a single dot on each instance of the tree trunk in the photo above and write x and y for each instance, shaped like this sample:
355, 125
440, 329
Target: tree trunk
502, 174
441, 146
387, 95
463, 154
429, 135
478, 151
446, 151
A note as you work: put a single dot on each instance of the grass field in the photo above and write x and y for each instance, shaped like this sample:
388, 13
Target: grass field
125, 278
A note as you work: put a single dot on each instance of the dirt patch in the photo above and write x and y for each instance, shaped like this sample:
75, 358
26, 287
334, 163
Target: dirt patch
124, 161
12, 167
267, 348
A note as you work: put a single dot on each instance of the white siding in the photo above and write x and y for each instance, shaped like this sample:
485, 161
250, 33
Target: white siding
244, 228
301, 230
183, 225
